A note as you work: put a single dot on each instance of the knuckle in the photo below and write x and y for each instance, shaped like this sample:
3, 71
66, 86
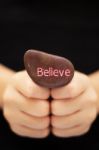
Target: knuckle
16, 78
92, 115
72, 90
8, 116
16, 131
23, 84
29, 89
93, 97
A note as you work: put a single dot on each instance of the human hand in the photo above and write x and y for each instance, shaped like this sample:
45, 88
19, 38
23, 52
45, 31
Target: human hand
74, 107
25, 107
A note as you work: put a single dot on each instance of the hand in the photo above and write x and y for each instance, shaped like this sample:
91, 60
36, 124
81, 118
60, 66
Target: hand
74, 107
25, 107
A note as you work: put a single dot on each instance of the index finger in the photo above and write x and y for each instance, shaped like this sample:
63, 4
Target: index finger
78, 84
23, 83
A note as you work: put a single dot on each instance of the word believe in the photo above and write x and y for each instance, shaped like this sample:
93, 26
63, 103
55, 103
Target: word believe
53, 72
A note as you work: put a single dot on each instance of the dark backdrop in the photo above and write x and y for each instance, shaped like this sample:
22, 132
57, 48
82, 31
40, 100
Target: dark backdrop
66, 29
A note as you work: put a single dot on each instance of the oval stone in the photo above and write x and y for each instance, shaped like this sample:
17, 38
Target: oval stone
48, 70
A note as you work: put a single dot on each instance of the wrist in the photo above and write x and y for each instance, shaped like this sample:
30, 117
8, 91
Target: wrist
5, 75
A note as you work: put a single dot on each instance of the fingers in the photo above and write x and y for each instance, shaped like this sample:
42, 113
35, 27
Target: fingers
26, 117
38, 123
23, 83
64, 122
28, 132
74, 116
70, 106
75, 131
20, 118
27, 110
34, 107
78, 84
65, 107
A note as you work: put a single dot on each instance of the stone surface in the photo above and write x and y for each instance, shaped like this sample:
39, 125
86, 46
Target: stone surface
48, 70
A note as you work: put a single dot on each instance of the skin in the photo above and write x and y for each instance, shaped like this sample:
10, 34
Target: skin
74, 107
25, 106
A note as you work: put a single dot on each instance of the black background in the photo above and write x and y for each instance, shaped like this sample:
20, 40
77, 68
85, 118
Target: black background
66, 29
